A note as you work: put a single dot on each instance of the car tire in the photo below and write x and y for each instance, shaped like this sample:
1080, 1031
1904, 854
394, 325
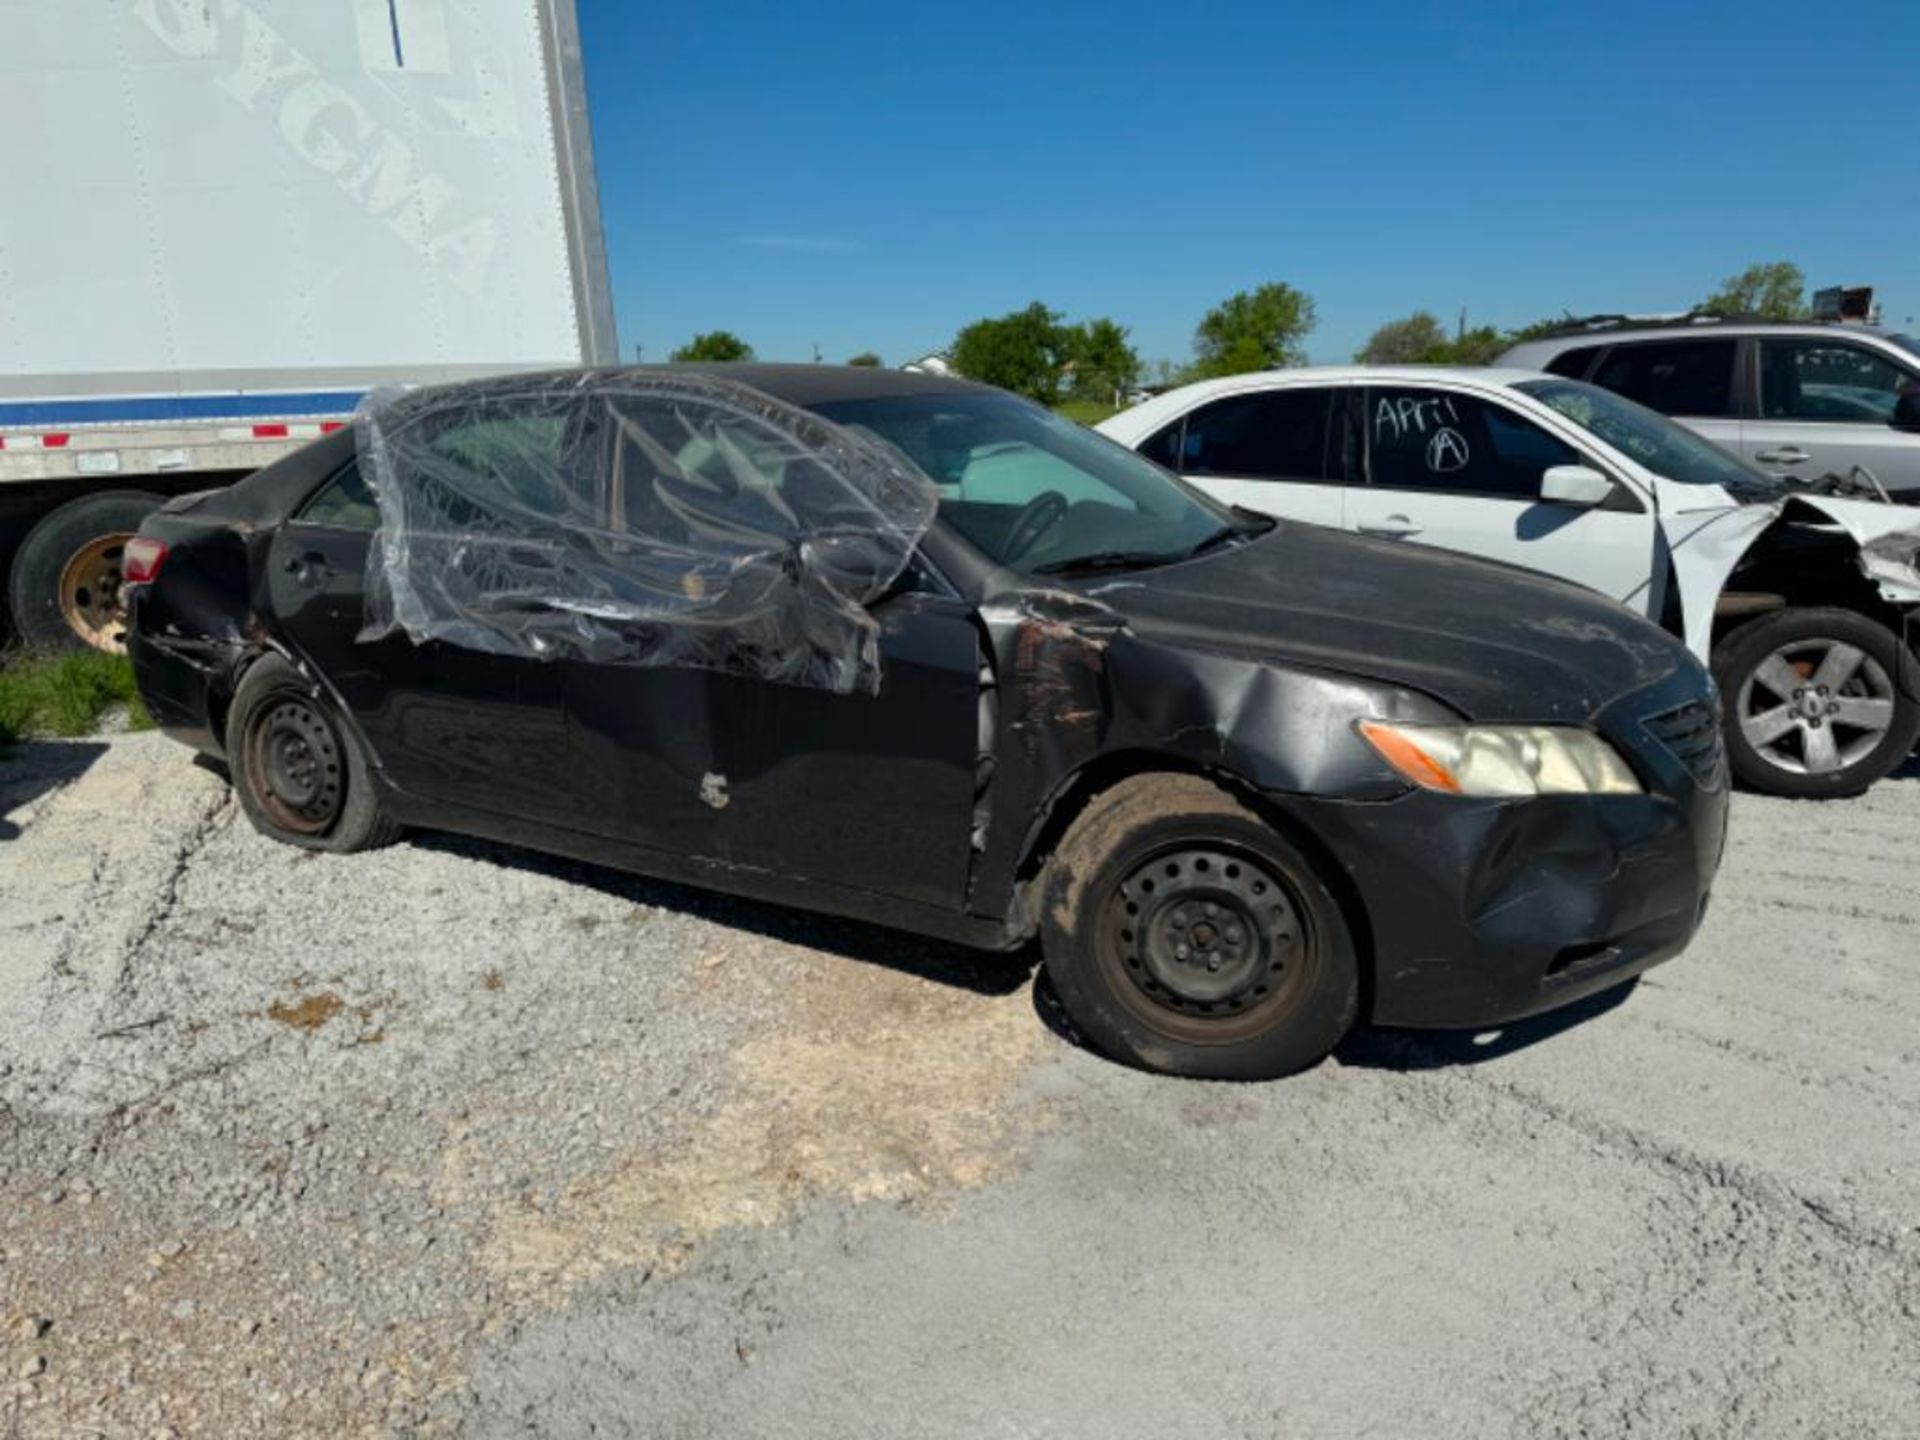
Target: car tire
1797, 762
1183, 935
301, 773
64, 587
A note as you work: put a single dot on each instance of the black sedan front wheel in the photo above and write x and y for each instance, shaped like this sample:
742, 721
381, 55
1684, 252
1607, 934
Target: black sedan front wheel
1184, 935
299, 771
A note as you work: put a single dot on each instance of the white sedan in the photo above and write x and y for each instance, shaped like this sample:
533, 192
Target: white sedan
1799, 601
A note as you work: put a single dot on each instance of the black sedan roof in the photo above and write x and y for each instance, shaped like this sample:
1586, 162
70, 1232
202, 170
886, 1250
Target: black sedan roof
810, 385
271, 494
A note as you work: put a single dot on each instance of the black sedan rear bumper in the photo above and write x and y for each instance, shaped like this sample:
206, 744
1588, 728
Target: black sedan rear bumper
179, 680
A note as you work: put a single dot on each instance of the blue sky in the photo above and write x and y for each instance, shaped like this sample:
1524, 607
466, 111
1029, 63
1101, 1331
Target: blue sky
862, 175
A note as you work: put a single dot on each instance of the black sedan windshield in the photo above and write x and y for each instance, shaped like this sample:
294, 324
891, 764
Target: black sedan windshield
1036, 492
1665, 448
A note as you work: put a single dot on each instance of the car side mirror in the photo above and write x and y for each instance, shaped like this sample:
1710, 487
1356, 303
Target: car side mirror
1575, 485
1906, 411
851, 563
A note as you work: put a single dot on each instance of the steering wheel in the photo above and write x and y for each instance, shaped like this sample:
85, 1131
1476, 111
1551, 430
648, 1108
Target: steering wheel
1036, 518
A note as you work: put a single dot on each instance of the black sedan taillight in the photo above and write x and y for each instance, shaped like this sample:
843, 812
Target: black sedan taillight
140, 562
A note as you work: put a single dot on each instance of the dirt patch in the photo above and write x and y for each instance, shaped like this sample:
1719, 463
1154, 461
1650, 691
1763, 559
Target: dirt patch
881, 1088
311, 1012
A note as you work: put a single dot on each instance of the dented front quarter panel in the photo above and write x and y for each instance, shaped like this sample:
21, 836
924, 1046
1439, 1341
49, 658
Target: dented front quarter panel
1076, 684
1707, 552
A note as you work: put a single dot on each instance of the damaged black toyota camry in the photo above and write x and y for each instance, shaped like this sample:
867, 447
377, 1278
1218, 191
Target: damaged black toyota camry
910, 649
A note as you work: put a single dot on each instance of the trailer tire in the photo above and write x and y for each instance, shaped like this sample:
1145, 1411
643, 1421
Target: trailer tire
65, 585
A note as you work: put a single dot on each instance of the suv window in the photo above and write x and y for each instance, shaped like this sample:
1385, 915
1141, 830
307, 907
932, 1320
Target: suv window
1822, 380
1675, 377
1270, 435
345, 502
1573, 363
1457, 444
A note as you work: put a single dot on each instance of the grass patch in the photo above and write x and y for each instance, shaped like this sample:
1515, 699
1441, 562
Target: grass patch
1087, 412
66, 694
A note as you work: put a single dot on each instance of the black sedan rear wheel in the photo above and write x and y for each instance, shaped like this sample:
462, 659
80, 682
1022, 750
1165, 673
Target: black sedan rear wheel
1184, 935
298, 769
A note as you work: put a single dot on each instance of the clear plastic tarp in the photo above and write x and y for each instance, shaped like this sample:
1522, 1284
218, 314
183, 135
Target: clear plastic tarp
636, 518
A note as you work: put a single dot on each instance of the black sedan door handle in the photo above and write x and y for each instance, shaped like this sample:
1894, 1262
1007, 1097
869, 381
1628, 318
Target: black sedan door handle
310, 568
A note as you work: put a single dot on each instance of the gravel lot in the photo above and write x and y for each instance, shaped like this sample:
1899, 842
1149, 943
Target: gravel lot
456, 1139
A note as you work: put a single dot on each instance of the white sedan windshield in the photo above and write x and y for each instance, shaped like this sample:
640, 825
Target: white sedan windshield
1667, 449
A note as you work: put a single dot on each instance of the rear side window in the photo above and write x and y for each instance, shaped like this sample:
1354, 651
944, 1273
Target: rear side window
344, 502
1437, 441
1675, 377
1164, 448
1574, 364
1272, 435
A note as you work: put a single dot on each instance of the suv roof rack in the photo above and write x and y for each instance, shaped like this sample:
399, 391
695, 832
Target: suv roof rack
1600, 324
1837, 305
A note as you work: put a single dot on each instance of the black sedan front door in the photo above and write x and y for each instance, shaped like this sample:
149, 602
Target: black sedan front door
865, 792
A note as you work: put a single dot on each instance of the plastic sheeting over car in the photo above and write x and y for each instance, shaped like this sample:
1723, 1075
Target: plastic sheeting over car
636, 518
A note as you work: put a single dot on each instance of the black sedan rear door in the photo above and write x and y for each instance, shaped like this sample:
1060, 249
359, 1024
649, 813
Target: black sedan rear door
449, 726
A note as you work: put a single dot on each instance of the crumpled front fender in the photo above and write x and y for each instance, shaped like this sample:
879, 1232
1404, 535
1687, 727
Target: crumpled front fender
1887, 538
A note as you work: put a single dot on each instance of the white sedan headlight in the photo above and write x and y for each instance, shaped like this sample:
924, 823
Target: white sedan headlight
1502, 760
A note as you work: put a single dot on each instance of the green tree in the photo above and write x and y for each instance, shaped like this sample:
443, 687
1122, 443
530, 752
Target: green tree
1480, 346
1253, 330
1405, 342
1539, 329
715, 345
866, 358
1103, 361
1773, 291
1022, 352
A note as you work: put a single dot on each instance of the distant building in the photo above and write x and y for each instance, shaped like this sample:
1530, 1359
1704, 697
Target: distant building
936, 362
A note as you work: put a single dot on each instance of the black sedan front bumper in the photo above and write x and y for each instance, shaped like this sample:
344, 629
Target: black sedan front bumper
1485, 911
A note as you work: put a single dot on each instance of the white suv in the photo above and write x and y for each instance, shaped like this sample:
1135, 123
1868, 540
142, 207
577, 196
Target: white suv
1801, 603
1799, 400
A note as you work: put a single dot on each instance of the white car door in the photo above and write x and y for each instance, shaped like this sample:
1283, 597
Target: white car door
1277, 451
1462, 471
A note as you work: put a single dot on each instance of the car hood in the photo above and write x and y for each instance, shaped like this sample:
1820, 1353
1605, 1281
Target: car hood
1492, 641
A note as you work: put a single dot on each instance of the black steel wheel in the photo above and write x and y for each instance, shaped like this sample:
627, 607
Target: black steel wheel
293, 759
1206, 933
1184, 934
298, 768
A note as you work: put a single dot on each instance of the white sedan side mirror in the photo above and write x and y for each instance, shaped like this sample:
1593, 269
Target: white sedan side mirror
1575, 485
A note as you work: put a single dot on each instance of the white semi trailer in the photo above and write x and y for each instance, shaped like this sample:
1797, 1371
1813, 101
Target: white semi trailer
222, 222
